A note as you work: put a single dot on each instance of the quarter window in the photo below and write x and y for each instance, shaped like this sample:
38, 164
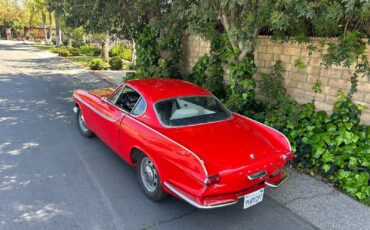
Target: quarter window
139, 108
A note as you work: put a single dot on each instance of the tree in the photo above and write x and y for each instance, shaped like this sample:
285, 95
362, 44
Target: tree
12, 15
238, 23
58, 7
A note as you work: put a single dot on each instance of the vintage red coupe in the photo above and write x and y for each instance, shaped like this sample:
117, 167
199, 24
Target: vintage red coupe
184, 142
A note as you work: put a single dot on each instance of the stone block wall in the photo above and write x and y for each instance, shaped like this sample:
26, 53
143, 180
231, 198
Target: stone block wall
298, 82
193, 49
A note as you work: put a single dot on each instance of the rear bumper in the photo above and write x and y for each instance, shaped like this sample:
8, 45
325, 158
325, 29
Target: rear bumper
228, 199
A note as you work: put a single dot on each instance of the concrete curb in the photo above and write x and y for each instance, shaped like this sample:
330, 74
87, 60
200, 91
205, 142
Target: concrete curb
104, 77
321, 204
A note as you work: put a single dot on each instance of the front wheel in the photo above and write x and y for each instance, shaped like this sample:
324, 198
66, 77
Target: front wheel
82, 125
149, 179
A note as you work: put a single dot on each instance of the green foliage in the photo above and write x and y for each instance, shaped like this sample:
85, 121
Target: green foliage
74, 51
90, 50
337, 147
299, 64
116, 63
147, 54
158, 52
241, 86
121, 51
62, 51
349, 50
208, 73
317, 86
271, 85
98, 64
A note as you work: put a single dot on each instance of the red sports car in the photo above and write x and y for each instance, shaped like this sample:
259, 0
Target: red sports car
184, 142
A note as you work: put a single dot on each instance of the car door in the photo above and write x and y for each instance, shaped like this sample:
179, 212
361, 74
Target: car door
107, 120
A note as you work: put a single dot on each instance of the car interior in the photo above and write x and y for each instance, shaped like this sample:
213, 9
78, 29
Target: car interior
127, 99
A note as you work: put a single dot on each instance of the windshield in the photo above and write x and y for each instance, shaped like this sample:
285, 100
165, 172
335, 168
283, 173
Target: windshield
182, 111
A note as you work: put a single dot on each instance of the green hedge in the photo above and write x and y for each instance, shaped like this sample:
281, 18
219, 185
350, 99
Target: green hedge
122, 51
336, 146
116, 63
98, 64
90, 50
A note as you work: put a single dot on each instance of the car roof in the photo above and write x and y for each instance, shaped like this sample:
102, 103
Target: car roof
156, 89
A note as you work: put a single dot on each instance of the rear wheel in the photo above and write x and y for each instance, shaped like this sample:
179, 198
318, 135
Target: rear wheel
82, 125
149, 179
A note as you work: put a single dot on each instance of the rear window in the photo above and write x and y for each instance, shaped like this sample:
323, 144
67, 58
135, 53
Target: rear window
183, 111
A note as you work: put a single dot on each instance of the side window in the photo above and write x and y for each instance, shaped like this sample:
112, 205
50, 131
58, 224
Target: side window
127, 99
139, 108
114, 96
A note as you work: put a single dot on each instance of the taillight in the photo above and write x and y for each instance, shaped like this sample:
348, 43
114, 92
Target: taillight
211, 180
287, 156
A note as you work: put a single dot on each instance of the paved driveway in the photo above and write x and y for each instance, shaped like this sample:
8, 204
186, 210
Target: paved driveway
53, 178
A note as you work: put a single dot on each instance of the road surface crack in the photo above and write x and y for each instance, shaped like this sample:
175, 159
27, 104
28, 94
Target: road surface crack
309, 197
157, 223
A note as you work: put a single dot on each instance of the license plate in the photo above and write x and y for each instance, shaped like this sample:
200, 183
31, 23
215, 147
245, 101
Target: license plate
253, 198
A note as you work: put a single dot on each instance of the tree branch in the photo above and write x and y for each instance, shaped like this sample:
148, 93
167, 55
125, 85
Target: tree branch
227, 27
250, 47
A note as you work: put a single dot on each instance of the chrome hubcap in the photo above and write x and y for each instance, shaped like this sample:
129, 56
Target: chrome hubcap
82, 123
149, 174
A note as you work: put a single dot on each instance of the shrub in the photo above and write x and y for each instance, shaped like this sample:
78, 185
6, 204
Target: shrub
98, 64
63, 52
336, 147
116, 63
208, 73
74, 51
90, 50
54, 50
122, 51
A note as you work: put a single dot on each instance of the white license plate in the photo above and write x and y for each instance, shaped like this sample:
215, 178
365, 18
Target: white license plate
253, 198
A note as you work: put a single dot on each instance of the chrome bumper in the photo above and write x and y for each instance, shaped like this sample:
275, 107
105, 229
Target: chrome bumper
190, 201
284, 177
75, 109
172, 188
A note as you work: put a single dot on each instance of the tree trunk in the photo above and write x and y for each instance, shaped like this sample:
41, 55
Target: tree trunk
105, 49
133, 54
44, 27
58, 36
69, 43
50, 42
8, 34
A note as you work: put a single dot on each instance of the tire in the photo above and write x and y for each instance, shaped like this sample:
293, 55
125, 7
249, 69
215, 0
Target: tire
149, 180
82, 125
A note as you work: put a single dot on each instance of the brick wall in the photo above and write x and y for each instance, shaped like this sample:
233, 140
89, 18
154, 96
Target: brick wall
194, 48
297, 82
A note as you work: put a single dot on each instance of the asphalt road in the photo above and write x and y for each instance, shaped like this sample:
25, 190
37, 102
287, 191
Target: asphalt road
53, 178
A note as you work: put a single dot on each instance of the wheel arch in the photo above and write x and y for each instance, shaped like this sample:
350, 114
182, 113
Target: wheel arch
135, 154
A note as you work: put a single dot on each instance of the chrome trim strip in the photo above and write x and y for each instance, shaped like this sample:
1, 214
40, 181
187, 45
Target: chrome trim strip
257, 175
96, 111
280, 182
187, 199
162, 135
290, 147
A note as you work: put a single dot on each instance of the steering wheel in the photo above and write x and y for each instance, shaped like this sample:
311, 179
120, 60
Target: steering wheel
130, 103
